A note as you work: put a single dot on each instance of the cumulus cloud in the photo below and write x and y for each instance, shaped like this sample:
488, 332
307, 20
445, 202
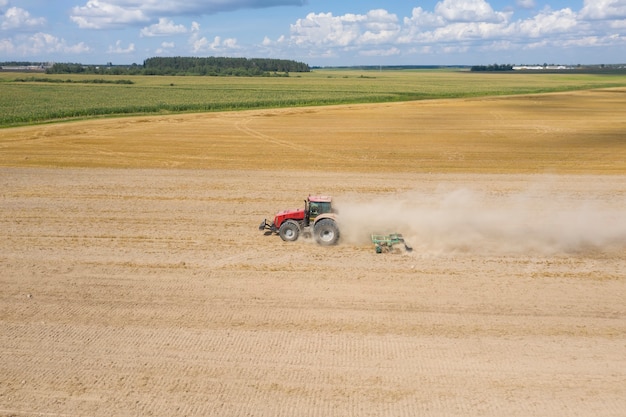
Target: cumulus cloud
165, 27
458, 26
16, 18
380, 27
451, 21
468, 11
545, 23
375, 27
98, 14
104, 14
203, 45
422, 20
604, 10
322, 28
448, 27
165, 47
200, 44
41, 44
19, 22
119, 49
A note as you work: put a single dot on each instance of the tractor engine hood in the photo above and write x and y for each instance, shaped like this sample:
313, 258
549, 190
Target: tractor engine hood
297, 214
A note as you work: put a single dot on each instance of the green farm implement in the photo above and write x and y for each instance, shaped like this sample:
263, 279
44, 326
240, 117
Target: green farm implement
384, 243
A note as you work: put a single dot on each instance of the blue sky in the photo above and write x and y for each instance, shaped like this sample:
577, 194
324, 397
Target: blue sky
317, 32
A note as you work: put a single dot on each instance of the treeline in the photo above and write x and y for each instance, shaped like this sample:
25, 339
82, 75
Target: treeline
221, 66
21, 64
494, 67
73, 68
212, 66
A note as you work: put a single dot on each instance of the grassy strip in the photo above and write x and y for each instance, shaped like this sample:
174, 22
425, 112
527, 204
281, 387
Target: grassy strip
70, 81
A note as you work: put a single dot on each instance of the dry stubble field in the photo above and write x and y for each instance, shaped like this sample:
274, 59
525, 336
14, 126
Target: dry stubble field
134, 280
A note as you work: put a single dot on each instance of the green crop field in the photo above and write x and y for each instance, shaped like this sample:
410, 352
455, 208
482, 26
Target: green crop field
40, 98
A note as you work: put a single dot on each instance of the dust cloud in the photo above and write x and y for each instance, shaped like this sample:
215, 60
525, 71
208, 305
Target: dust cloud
540, 219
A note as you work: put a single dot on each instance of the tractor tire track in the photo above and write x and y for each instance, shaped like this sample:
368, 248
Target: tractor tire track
308, 151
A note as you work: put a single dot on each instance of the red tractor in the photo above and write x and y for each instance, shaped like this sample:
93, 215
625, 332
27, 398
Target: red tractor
317, 217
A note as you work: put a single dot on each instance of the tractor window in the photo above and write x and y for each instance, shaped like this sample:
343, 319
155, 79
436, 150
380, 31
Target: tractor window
314, 209
324, 208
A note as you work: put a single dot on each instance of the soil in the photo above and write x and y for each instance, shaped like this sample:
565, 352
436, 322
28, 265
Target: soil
147, 290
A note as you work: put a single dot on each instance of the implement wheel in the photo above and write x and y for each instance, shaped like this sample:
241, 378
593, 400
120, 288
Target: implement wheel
326, 232
289, 231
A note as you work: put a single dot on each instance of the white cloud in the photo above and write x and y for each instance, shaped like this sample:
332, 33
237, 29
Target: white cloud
376, 27
619, 24
200, 44
98, 14
119, 49
381, 52
604, 10
595, 41
165, 48
454, 26
421, 19
41, 44
230, 43
468, 11
525, 4
447, 27
324, 28
104, 14
452, 21
379, 27
545, 23
16, 18
165, 27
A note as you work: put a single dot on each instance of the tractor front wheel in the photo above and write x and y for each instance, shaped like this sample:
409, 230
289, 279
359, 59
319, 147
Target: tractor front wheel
326, 232
289, 231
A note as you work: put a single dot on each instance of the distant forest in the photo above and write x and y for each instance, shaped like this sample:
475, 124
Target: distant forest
267, 67
494, 67
212, 66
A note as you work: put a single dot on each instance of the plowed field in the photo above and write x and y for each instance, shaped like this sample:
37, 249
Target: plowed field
134, 280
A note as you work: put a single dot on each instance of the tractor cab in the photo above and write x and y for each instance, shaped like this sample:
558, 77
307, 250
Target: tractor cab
316, 205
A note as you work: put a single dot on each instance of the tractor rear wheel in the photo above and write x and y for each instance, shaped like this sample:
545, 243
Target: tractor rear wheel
289, 231
326, 232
